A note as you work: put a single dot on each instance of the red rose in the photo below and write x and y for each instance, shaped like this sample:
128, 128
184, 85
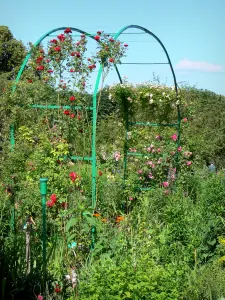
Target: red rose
57, 48
73, 53
61, 37
72, 116
111, 60
125, 45
49, 71
111, 40
40, 68
73, 176
78, 117
66, 112
100, 173
99, 32
77, 43
53, 198
54, 41
30, 80
89, 59
72, 70
72, 98
97, 37
78, 54
47, 60
67, 30
42, 51
39, 59
57, 289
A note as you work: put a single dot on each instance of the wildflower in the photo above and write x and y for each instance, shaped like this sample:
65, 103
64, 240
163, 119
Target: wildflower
166, 184
67, 30
117, 155
174, 137
96, 215
185, 120
72, 98
119, 219
67, 277
73, 176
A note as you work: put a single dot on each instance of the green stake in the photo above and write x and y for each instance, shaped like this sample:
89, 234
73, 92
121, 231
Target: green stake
43, 188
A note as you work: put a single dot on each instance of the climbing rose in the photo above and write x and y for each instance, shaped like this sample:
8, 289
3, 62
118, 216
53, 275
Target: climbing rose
66, 112
72, 116
73, 176
39, 297
54, 41
73, 53
30, 80
57, 289
40, 68
188, 163
72, 98
53, 198
99, 32
49, 71
57, 49
100, 173
165, 183
72, 70
111, 40
67, 30
174, 137
125, 45
111, 60
97, 37
185, 120
179, 148
61, 37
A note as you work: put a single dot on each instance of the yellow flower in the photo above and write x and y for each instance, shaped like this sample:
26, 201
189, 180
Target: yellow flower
221, 240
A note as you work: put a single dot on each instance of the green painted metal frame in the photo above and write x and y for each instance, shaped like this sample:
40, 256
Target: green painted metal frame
94, 103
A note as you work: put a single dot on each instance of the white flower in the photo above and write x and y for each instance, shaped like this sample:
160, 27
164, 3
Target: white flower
150, 95
129, 99
110, 96
163, 93
178, 102
160, 100
67, 277
151, 101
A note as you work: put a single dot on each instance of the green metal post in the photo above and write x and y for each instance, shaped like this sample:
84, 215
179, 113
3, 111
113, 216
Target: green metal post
94, 125
43, 188
93, 234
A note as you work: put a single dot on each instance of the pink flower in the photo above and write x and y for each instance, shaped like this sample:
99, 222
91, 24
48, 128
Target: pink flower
158, 150
158, 137
149, 162
53, 198
185, 120
39, 297
117, 155
131, 198
166, 184
188, 163
150, 176
125, 45
139, 171
174, 137
72, 70
179, 148
166, 192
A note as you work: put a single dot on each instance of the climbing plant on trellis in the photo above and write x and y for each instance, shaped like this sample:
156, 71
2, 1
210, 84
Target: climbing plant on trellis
61, 117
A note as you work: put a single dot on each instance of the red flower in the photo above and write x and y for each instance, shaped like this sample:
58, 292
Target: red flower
97, 37
61, 37
53, 198
64, 205
125, 45
54, 41
66, 112
39, 59
49, 203
42, 51
77, 43
72, 116
68, 30
99, 32
82, 35
73, 53
111, 40
100, 173
92, 67
49, 71
83, 83
72, 98
40, 68
30, 80
57, 289
78, 54
111, 60
73, 176
89, 59
72, 70
48, 60
57, 48
78, 117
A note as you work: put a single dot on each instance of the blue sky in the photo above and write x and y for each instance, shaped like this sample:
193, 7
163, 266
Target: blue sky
192, 31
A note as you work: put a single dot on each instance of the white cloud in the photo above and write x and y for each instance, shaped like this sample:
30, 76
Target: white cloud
201, 66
